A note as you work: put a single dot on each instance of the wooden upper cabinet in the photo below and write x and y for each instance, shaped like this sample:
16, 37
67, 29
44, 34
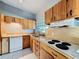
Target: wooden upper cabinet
63, 9
59, 11
9, 19
69, 8
48, 16
17, 20
75, 8
56, 12
2, 17
20, 21
26, 24
31, 24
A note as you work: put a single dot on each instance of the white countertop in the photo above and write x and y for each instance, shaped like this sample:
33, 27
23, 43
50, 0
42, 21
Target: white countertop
71, 53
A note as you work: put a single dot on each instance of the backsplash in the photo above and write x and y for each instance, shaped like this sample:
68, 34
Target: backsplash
69, 34
40, 25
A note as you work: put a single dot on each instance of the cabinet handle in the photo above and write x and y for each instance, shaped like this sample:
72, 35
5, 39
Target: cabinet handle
67, 15
71, 12
54, 54
54, 18
66, 0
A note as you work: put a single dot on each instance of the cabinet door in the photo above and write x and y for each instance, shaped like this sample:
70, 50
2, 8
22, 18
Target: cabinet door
60, 56
18, 20
31, 43
0, 46
25, 24
58, 11
48, 16
55, 12
45, 55
69, 4
30, 24
0, 32
36, 48
33, 24
2, 17
9, 19
26, 41
5, 45
63, 9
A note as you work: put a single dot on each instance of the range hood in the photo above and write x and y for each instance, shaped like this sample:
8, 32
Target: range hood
69, 22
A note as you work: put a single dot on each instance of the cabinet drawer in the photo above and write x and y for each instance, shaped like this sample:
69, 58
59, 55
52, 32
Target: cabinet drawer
53, 52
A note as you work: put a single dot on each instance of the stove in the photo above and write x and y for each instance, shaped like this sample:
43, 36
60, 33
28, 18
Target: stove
65, 43
53, 41
60, 45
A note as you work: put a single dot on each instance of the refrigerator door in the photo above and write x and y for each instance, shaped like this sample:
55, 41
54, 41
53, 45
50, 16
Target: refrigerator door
5, 46
15, 43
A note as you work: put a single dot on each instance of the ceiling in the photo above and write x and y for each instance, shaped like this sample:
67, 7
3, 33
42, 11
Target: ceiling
33, 6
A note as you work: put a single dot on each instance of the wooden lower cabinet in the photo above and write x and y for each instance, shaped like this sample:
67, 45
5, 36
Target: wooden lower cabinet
5, 45
31, 43
0, 45
45, 55
36, 48
42, 51
26, 41
48, 53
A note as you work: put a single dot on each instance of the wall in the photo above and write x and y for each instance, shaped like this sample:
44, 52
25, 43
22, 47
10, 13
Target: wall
41, 15
69, 34
12, 11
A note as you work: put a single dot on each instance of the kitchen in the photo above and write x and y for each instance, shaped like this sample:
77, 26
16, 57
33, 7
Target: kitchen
39, 29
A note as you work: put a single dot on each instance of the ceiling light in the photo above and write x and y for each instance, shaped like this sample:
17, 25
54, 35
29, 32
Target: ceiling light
21, 1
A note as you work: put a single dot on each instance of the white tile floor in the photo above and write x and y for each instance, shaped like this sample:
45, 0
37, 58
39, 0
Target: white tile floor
22, 54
